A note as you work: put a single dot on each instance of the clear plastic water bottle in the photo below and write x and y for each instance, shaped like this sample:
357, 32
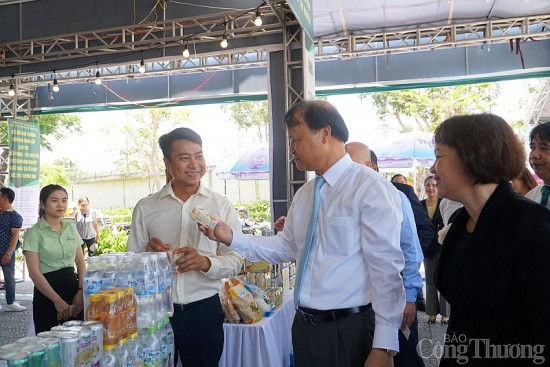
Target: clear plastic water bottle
144, 299
108, 279
151, 347
92, 279
135, 352
169, 342
109, 356
161, 334
123, 353
126, 276
166, 268
158, 280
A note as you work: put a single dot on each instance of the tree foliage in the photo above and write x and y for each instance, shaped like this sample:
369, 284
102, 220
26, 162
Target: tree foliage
57, 126
250, 115
141, 153
54, 173
427, 108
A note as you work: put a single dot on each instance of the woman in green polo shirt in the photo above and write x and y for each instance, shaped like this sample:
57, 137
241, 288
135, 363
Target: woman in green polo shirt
52, 247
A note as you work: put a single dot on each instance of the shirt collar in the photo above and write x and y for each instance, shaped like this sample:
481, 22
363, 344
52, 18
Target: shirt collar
334, 173
43, 224
168, 191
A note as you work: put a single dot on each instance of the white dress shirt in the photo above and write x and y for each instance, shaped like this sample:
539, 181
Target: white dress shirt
166, 217
355, 258
536, 195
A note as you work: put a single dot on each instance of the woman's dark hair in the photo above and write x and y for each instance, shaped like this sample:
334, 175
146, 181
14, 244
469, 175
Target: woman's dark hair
527, 178
486, 146
45, 194
316, 115
430, 177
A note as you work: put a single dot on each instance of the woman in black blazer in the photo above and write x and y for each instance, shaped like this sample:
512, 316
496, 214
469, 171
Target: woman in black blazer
435, 302
495, 259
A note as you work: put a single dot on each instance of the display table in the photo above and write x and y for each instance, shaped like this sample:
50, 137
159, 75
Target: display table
267, 343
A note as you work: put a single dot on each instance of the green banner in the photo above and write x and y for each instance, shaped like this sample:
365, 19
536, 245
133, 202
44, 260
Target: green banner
303, 9
24, 138
24, 168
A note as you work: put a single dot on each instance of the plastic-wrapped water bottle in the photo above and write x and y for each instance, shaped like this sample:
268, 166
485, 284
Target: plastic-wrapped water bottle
123, 353
109, 356
158, 280
169, 333
164, 265
161, 334
108, 279
151, 347
126, 274
144, 299
135, 352
92, 279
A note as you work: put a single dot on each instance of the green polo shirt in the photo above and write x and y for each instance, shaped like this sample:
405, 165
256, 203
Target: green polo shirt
55, 250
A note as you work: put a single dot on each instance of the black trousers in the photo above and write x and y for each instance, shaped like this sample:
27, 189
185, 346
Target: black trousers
89, 242
65, 283
408, 356
341, 343
198, 333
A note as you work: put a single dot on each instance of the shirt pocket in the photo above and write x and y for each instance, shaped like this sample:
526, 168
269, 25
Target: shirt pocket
340, 234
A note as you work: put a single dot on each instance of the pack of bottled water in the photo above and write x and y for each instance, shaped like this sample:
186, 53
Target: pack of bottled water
131, 294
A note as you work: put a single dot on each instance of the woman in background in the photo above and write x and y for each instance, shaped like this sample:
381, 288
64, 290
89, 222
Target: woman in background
435, 302
493, 267
524, 182
52, 248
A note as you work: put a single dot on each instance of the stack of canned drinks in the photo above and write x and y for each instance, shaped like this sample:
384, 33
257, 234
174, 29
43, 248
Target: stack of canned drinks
34, 351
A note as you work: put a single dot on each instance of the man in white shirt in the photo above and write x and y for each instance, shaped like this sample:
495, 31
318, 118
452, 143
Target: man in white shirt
539, 159
162, 222
355, 259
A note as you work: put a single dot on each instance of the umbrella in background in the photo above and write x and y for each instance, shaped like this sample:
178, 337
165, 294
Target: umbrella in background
253, 164
405, 150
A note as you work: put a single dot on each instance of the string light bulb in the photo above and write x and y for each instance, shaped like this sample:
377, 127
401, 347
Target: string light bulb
224, 42
11, 91
185, 52
142, 66
258, 18
55, 87
98, 80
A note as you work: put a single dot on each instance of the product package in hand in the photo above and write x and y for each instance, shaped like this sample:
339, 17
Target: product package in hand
203, 216
243, 301
262, 299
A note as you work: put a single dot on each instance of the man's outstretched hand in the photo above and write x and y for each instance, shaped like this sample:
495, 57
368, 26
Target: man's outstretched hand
222, 233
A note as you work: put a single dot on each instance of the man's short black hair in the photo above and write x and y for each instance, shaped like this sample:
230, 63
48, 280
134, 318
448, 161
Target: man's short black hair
541, 132
166, 140
373, 158
9, 193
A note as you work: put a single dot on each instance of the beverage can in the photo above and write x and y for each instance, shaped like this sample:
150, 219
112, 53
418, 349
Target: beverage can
53, 351
15, 358
73, 323
97, 341
85, 347
37, 354
28, 340
69, 344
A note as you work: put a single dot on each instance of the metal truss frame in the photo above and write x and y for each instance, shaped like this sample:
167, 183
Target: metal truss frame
437, 37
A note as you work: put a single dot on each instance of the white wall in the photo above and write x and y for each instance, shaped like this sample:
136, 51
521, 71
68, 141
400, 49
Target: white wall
117, 192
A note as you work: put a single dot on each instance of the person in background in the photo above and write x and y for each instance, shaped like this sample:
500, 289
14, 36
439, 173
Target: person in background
399, 178
539, 159
412, 281
86, 224
10, 227
349, 262
244, 219
52, 248
435, 302
162, 222
524, 182
493, 267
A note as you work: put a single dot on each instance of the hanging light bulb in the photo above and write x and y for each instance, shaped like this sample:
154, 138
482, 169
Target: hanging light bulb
11, 92
55, 87
258, 19
224, 43
142, 66
98, 80
185, 52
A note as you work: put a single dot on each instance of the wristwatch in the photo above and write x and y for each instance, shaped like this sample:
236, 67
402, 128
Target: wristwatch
391, 353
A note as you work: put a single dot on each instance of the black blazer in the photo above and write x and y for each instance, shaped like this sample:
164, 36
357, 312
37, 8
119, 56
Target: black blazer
437, 222
498, 282
424, 227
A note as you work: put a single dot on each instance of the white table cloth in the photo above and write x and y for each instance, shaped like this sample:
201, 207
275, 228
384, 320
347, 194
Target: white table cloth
267, 343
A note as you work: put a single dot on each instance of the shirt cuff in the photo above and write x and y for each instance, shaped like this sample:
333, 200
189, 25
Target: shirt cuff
410, 294
385, 337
